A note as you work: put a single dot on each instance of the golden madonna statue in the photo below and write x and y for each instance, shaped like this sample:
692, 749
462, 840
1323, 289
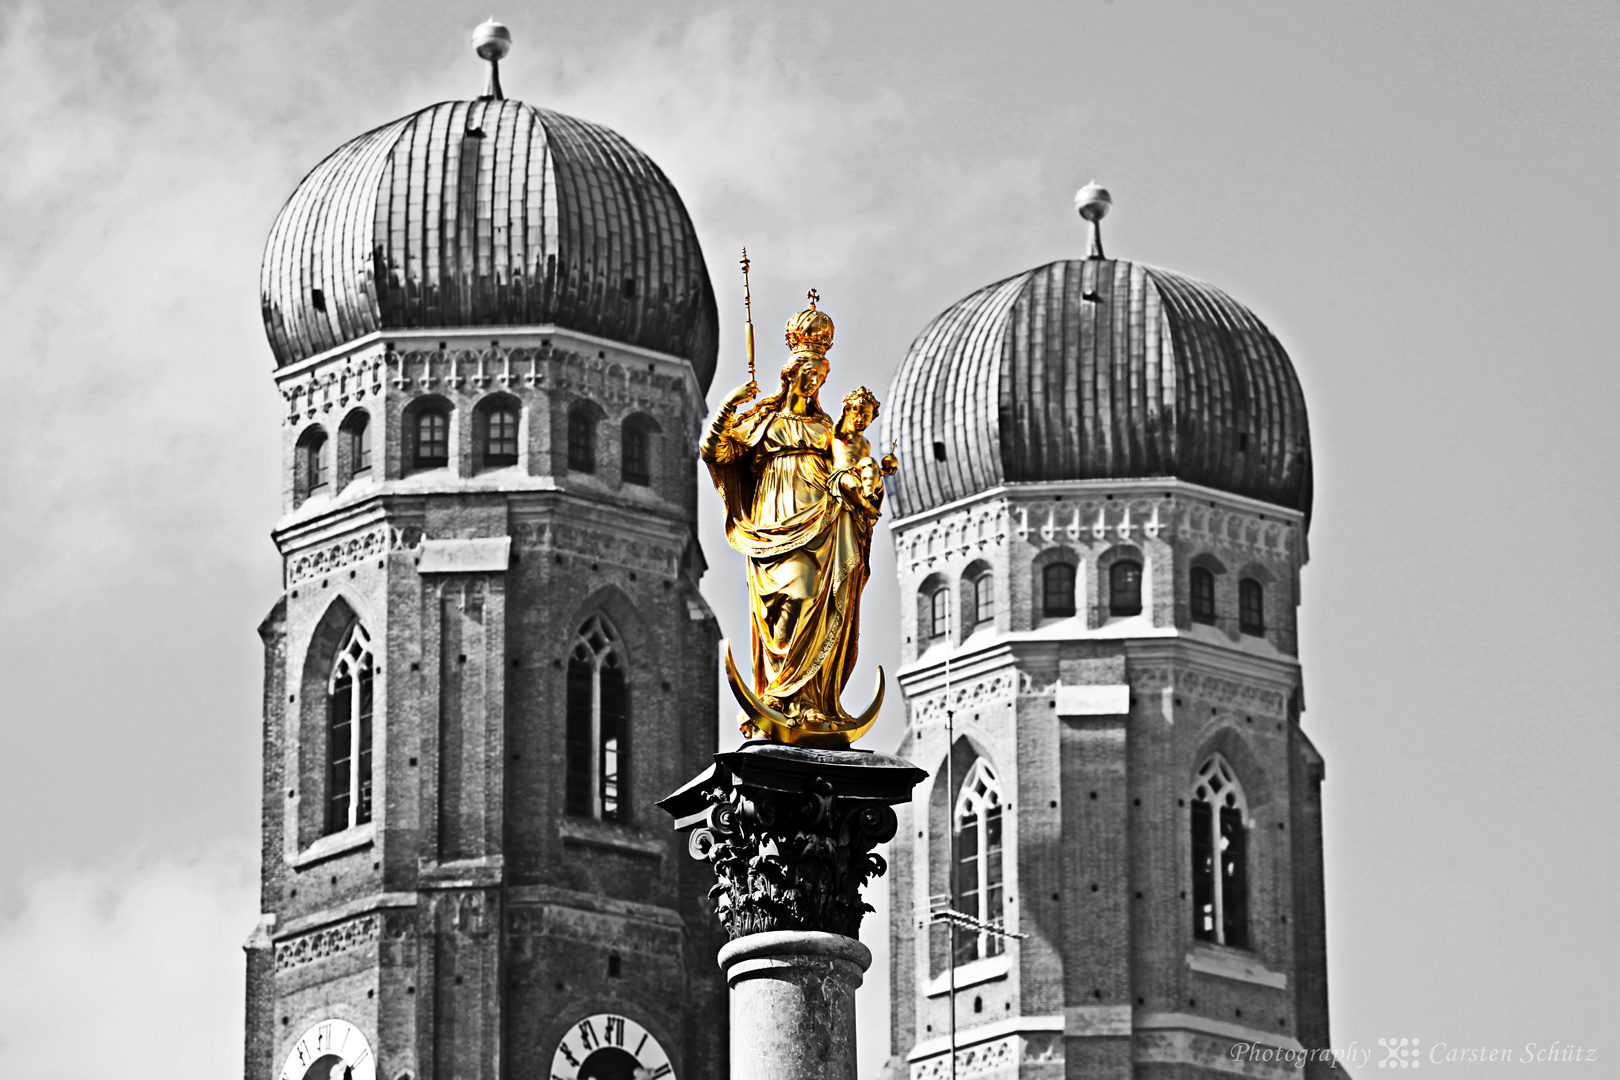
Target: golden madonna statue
802, 493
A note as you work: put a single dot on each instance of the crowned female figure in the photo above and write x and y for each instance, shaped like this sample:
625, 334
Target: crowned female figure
803, 521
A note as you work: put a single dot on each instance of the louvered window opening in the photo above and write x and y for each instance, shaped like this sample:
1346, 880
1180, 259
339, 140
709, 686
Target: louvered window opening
980, 892
597, 751
350, 702
1220, 857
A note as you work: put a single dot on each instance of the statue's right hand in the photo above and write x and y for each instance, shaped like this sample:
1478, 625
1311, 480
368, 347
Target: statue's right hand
746, 392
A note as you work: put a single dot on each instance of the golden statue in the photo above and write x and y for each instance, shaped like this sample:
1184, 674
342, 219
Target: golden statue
802, 493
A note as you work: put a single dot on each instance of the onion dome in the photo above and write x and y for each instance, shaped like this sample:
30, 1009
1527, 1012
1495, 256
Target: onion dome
1097, 368
488, 213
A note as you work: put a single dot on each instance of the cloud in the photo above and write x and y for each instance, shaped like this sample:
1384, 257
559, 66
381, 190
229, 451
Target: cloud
130, 970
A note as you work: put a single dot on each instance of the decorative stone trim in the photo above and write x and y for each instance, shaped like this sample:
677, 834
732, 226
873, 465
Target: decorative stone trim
607, 547
962, 533
1211, 690
986, 1059
1094, 524
333, 386
1001, 688
373, 543
327, 942
528, 923
1211, 1052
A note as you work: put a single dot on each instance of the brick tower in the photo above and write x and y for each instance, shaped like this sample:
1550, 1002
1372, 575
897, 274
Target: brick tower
1101, 523
493, 330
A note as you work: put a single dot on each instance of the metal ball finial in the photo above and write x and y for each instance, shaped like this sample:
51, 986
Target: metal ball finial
492, 40
1093, 202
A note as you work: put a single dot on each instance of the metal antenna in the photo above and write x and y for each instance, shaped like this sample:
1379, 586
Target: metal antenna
949, 915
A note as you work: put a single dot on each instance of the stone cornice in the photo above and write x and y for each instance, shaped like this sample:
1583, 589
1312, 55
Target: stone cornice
1097, 512
471, 363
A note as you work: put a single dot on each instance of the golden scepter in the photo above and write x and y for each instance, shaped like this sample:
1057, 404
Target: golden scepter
748, 306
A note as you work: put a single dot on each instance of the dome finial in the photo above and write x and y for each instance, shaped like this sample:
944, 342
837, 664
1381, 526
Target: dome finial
492, 41
1093, 202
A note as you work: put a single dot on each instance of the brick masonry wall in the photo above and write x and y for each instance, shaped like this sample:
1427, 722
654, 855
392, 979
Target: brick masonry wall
1104, 800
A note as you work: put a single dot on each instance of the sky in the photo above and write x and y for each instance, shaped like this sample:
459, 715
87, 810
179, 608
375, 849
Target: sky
1416, 198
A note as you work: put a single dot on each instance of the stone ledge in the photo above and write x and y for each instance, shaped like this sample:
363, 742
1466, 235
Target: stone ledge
1229, 964
973, 973
334, 844
618, 838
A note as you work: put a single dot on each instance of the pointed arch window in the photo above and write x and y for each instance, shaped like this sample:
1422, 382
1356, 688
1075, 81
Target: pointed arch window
597, 784
1220, 852
979, 873
350, 701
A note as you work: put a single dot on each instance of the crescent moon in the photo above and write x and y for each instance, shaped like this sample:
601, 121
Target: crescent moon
746, 697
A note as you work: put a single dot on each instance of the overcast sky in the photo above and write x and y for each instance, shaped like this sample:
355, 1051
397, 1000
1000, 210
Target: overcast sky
1417, 198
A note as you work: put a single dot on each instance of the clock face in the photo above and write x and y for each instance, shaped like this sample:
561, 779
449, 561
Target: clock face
331, 1050
609, 1047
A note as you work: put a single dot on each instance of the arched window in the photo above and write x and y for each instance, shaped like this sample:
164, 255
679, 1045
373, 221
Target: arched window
1057, 591
581, 439
432, 431
1220, 841
939, 612
984, 598
979, 890
1125, 588
311, 464
1251, 606
356, 445
635, 452
349, 703
1201, 594
597, 784
500, 436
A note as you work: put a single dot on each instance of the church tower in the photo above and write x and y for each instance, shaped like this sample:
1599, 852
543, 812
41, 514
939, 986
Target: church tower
493, 330
1100, 526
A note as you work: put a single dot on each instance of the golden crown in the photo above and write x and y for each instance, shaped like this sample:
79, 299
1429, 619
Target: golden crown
810, 331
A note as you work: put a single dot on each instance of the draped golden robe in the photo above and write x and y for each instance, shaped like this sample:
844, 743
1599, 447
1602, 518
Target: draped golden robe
804, 542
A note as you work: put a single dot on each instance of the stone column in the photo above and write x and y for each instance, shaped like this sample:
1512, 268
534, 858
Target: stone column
789, 832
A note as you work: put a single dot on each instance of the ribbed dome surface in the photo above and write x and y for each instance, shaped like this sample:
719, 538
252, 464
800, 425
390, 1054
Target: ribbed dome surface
1093, 369
488, 213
